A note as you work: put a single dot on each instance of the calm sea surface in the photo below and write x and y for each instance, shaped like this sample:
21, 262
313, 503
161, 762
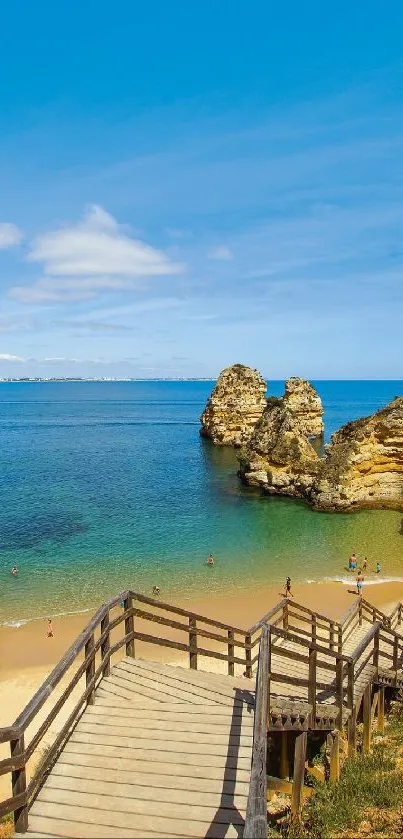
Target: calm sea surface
108, 485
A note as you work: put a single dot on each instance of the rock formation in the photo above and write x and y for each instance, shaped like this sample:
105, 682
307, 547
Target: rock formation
363, 465
279, 457
304, 403
236, 404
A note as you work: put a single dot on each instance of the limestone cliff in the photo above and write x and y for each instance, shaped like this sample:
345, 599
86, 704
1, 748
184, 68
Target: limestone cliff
363, 465
279, 457
304, 403
236, 404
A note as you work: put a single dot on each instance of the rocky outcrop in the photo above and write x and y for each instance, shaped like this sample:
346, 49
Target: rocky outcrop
279, 457
236, 404
304, 403
363, 465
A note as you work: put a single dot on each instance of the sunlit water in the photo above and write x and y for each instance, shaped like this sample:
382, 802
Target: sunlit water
108, 485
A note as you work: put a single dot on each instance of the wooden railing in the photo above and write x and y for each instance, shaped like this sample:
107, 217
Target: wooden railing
130, 618
84, 665
256, 811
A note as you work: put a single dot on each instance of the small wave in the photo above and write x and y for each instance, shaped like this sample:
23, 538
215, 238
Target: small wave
348, 581
15, 624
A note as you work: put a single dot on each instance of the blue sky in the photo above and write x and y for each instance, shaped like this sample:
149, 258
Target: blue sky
187, 185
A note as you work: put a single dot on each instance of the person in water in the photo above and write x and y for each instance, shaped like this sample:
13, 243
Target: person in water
352, 563
210, 560
288, 587
156, 590
14, 570
49, 631
365, 564
378, 567
360, 582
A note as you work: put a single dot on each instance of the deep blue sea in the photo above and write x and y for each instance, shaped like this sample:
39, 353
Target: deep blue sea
105, 485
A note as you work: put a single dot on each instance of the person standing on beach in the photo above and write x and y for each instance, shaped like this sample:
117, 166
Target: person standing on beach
49, 631
360, 582
288, 587
378, 567
365, 564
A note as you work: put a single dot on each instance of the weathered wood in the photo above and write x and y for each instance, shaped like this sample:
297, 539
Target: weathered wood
381, 710
192, 644
333, 740
231, 652
248, 657
375, 705
284, 762
183, 627
395, 652
105, 646
285, 615
339, 692
256, 812
366, 715
298, 776
129, 623
168, 607
312, 688
313, 628
352, 722
19, 786
90, 669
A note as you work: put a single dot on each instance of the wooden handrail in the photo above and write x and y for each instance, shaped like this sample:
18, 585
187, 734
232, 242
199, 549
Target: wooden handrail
368, 637
256, 811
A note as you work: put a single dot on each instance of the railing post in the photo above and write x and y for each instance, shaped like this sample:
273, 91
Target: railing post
340, 639
192, 644
298, 775
359, 611
395, 652
312, 684
105, 646
352, 723
268, 673
375, 659
248, 656
90, 669
231, 652
285, 615
313, 629
331, 636
366, 717
129, 625
339, 692
381, 710
399, 614
19, 785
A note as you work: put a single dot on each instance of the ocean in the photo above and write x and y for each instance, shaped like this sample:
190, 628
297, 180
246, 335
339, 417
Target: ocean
108, 485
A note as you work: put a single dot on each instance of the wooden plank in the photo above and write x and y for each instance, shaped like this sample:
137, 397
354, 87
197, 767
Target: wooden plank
190, 758
367, 719
171, 685
205, 725
185, 767
154, 793
334, 746
109, 704
381, 710
19, 785
173, 817
185, 735
70, 826
161, 746
138, 779
256, 818
298, 775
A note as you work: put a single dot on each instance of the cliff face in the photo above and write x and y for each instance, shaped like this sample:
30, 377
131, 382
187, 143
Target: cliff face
363, 466
236, 404
304, 403
279, 457
364, 463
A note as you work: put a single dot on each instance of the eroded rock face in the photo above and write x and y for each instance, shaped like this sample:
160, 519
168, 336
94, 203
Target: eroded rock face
363, 465
279, 457
304, 403
236, 404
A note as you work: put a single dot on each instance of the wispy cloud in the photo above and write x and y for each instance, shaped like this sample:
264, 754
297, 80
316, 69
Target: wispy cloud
10, 235
8, 357
93, 256
221, 252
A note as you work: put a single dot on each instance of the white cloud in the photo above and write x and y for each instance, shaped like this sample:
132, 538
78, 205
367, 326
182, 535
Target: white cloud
221, 252
86, 259
7, 357
10, 235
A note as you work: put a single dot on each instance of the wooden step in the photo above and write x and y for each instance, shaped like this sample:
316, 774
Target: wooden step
127, 735
185, 821
174, 722
151, 744
133, 715
106, 700
191, 758
149, 763
82, 766
193, 677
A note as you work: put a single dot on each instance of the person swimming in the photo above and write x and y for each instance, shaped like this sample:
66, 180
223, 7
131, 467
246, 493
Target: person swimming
14, 570
156, 590
210, 560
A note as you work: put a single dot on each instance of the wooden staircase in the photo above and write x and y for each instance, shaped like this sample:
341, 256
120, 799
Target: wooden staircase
162, 750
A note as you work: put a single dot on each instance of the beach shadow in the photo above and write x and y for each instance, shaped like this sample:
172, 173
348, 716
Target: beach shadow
227, 813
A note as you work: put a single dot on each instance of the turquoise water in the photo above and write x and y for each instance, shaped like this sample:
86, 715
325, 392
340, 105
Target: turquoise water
108, 485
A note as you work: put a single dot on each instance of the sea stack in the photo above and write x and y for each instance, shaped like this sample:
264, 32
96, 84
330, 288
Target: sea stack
304, 403
362, 467
235, 406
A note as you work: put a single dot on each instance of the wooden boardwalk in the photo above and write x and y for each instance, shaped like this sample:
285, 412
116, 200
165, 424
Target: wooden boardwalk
162, 750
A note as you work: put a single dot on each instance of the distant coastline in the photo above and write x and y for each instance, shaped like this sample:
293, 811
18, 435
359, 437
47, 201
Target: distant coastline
22, 379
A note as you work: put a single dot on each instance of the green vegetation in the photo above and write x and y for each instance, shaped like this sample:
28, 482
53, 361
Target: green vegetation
367, 800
